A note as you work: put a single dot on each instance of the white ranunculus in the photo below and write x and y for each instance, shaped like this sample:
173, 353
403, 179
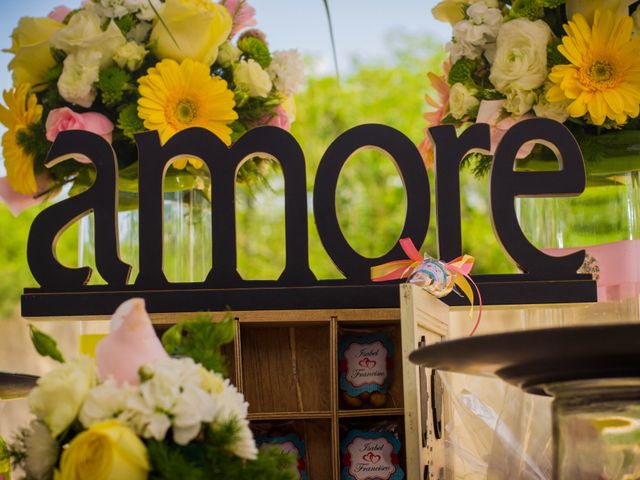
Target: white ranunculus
130, 55
519, 102
252, 78
287, 71
461, 101
228, 54
59, 395
79, 75
84, 33
588, 7
41, 451
521, 56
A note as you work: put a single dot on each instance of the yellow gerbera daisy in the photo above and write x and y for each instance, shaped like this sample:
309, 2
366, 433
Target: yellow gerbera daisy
603, 78
174, 97
21, 110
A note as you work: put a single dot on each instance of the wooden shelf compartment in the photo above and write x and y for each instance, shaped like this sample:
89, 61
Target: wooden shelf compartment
371, 412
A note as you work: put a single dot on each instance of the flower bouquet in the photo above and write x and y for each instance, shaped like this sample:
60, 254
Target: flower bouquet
120, 67
136, 413
573, 61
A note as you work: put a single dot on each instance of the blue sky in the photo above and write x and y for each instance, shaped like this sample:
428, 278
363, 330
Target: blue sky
360, 25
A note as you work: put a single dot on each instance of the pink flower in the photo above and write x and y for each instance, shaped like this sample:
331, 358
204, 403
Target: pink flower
131, 344
62, 119
278, 118
59, 13
242, 14
17, 202
490, 112
434, 118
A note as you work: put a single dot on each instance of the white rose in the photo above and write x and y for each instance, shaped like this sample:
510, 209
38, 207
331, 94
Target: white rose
287, 71
521, 55
41, 451
461, 101
79, 74
519, 102
59, 395
250, 77
85, 33
228, 54
130, 55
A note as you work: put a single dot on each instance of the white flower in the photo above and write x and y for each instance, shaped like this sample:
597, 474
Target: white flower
228, 54
41, 452
461, 101
140, 32
519, 102
231, 407
79, 74
130, 55
59, 395
521, 55
106, 401
245, 445
473, 36
250, 77
84, 33
287, 71
554, 110
177, 395
143, 9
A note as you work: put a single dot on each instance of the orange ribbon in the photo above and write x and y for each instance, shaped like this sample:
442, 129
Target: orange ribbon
461, 268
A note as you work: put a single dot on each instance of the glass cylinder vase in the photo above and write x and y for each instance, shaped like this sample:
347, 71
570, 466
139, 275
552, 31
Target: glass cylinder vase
596, 429
186, 236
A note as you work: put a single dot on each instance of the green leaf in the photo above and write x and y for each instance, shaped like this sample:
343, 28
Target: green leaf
462, 72
44, 344
255, 48
202, 340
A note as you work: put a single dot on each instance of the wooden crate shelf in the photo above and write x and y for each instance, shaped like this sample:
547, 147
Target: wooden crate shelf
371, 412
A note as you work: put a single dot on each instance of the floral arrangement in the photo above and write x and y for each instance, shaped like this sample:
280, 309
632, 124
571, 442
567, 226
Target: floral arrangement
137, 413
120, 67
573, 61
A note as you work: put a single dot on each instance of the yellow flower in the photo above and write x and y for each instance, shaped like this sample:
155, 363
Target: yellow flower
603, 78
451, 11
21, 110
174, 97
31, 49
191, 29
106, 451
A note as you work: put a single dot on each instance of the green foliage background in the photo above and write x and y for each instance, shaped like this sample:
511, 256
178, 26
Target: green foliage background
371, 202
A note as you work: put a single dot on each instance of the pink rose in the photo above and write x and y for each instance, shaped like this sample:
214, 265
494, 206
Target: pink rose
132, 343
242, 14
59, 13
490, 112
62, 119
278, 118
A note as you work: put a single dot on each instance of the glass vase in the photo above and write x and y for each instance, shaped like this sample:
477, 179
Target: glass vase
186, 236
596, 429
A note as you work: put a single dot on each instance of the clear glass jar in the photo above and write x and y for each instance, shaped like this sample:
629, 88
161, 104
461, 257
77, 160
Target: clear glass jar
186, 238
596, 429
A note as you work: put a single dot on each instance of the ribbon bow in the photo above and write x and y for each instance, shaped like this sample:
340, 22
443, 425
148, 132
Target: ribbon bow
435, 276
